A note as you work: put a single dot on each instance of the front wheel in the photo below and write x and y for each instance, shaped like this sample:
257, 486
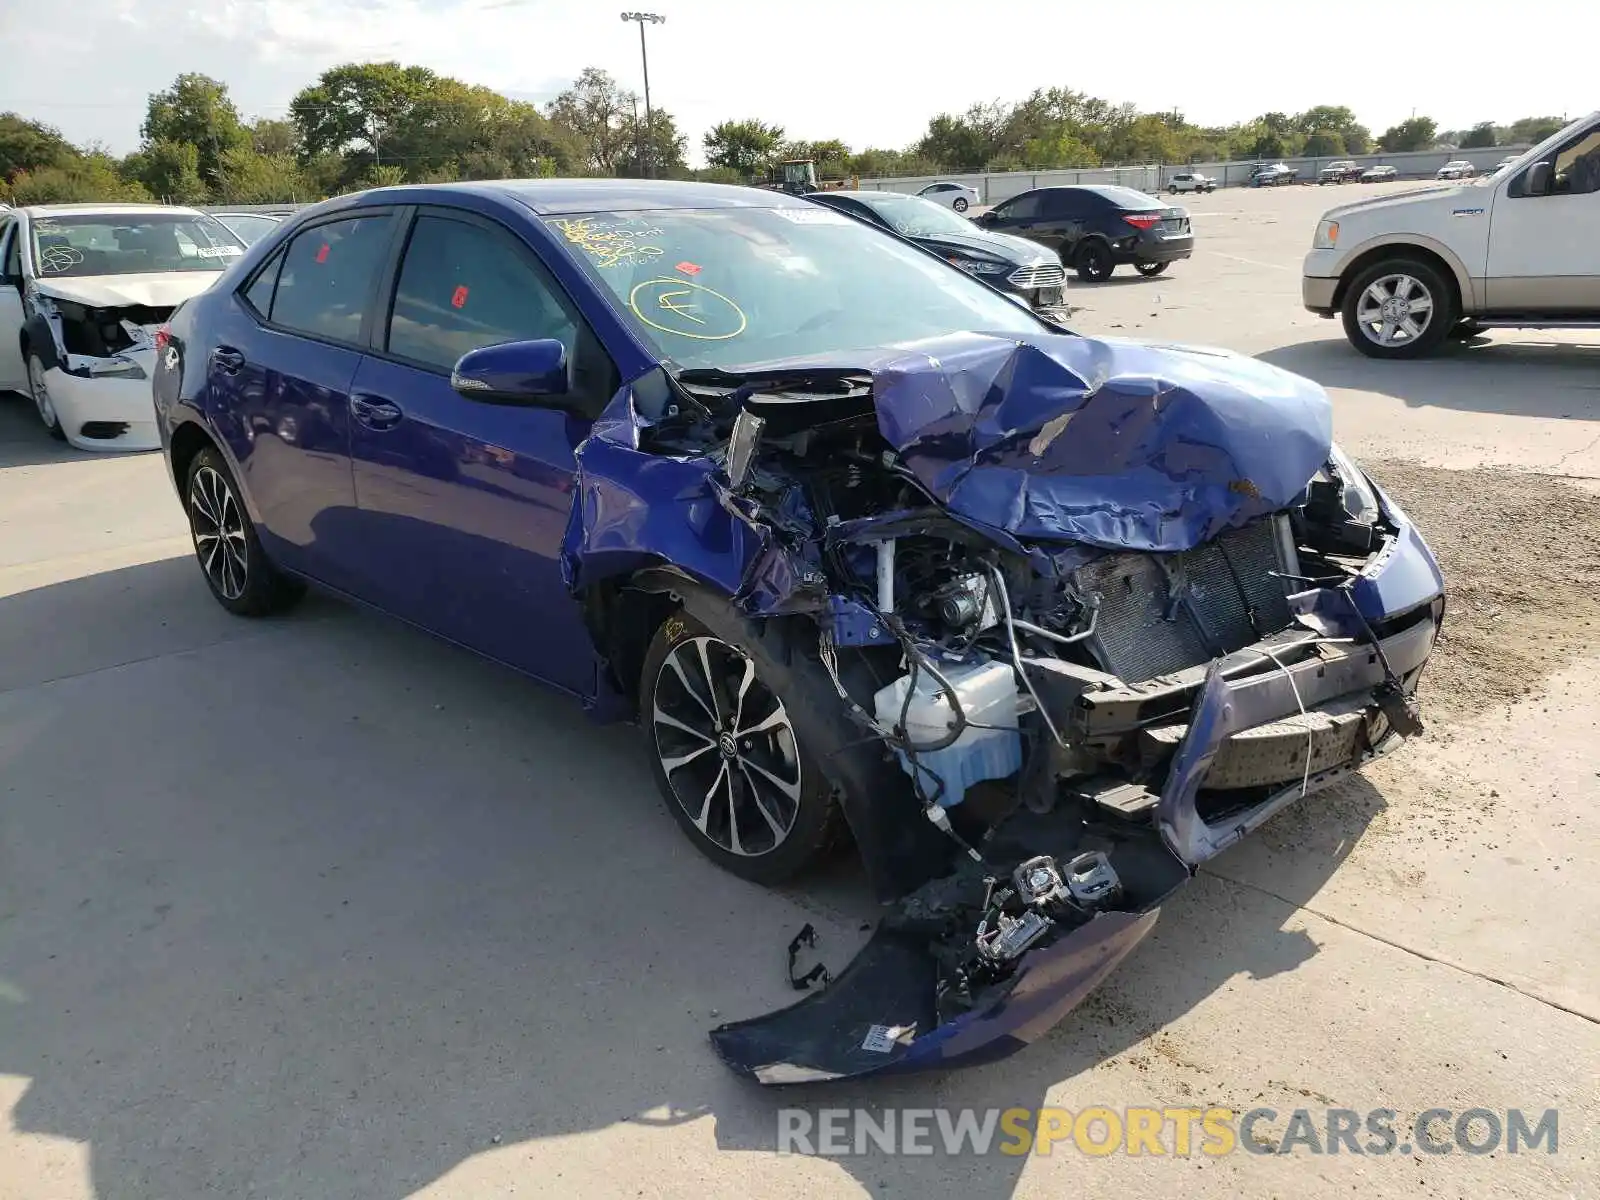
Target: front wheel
225, 542
1401, 308
1094, 263
725, 752
1150, 269
39, 392
959, 204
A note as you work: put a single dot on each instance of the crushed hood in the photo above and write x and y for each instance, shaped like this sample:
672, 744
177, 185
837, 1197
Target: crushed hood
158, 290
1116, 443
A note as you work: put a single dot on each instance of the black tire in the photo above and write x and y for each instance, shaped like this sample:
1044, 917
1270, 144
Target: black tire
959, 204
1093, 261
231, 560
673, 672
51, 422
1441, 318
1150, 270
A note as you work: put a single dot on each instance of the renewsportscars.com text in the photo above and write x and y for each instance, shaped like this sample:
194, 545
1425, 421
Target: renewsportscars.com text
1179, 1132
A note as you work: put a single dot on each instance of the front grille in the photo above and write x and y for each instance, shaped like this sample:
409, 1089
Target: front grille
1041, 275
1162, 613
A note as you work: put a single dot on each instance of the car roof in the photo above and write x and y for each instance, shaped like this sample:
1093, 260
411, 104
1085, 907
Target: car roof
108, 210
555, 196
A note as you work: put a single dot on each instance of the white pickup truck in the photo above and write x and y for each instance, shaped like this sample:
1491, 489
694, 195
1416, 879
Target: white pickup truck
1518, 249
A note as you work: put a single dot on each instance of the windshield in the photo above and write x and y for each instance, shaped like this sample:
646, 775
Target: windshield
730, 287
129, 244
915, 217
248, 227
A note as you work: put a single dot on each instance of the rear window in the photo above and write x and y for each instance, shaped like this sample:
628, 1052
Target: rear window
1124, 197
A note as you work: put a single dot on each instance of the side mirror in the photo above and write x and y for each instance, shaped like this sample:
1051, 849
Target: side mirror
1537, 181
512, 372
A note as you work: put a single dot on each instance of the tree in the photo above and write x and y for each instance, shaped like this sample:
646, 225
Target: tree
268, 136
358, 105
596, 111
195, 111
747, 147
170, 171
1415, 134
28, 145
661, 143
251, 178
1479, 136
82, 178
1531, 129
1323, 145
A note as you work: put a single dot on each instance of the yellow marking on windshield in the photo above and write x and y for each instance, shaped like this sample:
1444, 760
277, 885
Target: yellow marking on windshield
671, 304
611, 244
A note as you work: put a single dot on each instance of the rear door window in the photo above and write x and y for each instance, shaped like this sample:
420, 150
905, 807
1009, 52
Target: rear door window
329, 273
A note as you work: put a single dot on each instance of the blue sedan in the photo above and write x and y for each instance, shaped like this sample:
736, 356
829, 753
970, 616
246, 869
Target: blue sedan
1039, 622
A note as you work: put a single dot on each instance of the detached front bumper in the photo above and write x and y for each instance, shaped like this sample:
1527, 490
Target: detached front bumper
885, 1012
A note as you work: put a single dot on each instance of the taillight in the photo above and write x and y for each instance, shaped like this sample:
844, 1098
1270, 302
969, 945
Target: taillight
163, 336
1142, 220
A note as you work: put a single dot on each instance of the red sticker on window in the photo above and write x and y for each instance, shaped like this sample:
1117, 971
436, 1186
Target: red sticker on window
459, 299
688, 268
322, 253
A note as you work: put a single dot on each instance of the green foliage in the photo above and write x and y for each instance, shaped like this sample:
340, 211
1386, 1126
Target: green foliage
268, 136
252, 178
1418, 133
749, 147
170, 171
29, 145
195, 112
1480, 135
1531, 129
598, 115
86, 177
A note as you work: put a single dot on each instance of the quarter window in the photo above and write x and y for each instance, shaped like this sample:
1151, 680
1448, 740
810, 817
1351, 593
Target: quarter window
259, 294
325, 283
12, 236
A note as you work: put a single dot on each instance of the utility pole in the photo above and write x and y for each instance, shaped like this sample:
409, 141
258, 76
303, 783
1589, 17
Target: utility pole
644, 56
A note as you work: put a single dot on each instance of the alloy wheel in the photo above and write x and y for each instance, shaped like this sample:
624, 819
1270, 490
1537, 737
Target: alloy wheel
41, 394
726, 746
217, 522
1394, 310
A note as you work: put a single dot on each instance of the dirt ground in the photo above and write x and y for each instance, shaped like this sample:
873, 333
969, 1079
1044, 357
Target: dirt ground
320, 907
1520, 553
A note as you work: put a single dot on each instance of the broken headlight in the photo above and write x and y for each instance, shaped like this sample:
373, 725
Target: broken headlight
1359, 500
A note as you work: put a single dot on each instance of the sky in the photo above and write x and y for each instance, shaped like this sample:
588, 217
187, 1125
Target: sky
870, 73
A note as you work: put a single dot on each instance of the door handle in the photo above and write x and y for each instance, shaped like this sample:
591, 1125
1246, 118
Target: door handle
227, 360
374, 412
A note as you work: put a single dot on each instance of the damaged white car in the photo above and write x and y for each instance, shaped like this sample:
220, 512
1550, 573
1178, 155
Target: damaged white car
83, 291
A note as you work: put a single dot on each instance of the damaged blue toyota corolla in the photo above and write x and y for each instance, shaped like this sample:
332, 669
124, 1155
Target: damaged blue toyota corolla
1041, 621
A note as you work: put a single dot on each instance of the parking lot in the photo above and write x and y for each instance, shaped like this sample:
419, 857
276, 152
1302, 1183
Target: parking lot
321, 907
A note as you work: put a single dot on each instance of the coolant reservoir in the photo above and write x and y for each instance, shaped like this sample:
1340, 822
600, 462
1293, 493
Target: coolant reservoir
989, 748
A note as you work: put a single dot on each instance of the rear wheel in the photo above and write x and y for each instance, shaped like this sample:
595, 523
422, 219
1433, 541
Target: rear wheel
725, 752
225, 542
959, 204
1400, 308
1094, 263
1150, 269
39, 391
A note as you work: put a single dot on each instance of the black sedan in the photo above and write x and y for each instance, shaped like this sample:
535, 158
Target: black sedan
1012, 264
1093, 229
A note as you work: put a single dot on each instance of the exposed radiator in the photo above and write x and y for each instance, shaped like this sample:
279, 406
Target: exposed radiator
1161, 613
